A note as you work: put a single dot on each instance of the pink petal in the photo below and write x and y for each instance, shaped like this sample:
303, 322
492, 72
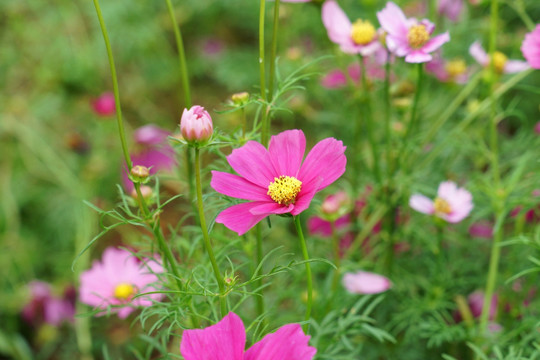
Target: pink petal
435, 42
393, 20
287, 151
515, 66
305, 196
224, 341
326, 161
418, 56
334, 79
335, 21
319, 226
421, 204
252, 162
398, 45
239, 218
364, 282
531, 47
271, 208
446, 190
479, 54
287, 343
237, 187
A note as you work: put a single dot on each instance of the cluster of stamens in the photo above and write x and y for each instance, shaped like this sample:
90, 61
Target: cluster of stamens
284, 189
442, 206
456, 67
417, 36
363, 32
124, 291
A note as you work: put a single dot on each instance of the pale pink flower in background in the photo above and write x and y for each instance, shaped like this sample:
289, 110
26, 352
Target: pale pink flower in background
212, 47
334, 79
359, 37
46, 307
409, 37
481, 230
448, 70
452, 204
196, 125
116, 279
450, 8
363, 282
476, 304
226, 340
531, 47
319, 226
501, 62
335, 203
278, 180
532, 215
104, 105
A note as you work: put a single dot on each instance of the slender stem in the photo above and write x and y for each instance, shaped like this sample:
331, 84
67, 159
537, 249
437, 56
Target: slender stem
274, 51
264, 123
414, 120
206, 238
119, 121
181, 56
308, 271
337, 255
244, 123
259, 298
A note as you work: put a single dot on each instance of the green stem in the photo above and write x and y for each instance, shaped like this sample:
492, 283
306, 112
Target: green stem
264, 123
181, 56
206, 237
414, 120
244, 123
119, 121
260, 297
274, 51
308, 271
337, 256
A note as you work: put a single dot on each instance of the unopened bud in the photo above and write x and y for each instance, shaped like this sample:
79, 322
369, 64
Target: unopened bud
196, 125
333, 203
240, 99
139, 174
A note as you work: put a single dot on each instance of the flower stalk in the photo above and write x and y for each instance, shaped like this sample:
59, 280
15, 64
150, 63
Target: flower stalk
309, 279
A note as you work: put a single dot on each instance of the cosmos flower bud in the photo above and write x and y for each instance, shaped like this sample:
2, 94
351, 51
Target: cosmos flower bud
240, 99
104, 105
196, 125
139, 174
334, 203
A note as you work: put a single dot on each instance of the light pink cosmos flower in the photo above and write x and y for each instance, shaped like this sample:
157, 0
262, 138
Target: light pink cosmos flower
46, 307
226, 340
363, 282
409, 37
104, 105
531, 47
452, 204
358, 38
196, 125
276, 181
481, 230
448, 70
501, 63
116, 279
450, 8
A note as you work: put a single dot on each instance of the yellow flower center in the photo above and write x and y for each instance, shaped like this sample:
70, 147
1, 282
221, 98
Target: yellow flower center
124, 291
362, 32
456, 67
499, 61
417, 36
284, 189
442, 206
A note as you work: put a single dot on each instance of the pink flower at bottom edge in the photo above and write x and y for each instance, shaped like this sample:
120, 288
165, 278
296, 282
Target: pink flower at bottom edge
363, 282
226, 340
278, 180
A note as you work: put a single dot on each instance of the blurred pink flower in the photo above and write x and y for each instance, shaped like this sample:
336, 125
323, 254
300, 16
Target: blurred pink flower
476, 304
452, 204
448, 70
408, 37
335, 203
276, 181
450, 8
501, 63
196, 125
359, 37
227, 340
212, 47
104, 105
45, 307
537, 128
481, 230
531, 47
334, 79
532, 215
319, 226
116, 279
363, 282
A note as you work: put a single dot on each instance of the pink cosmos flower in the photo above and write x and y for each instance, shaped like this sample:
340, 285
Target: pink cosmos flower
452, 204
276, 181
481, 230
116, 279
531, 47
448, 70
335, 79
537, 128
408, 37
104, 105
450, 8
501, 62
226, 340
363, 282
46, 307
196, 125
152, 151
319, 226
358, 38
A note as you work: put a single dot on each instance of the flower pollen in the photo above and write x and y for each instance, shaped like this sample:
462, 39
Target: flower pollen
124, 291
284, 189
417, 36
456, 67
442, 206
363, 32
499, 61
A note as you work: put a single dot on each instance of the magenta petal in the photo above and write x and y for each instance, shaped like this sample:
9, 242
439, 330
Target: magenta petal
479, 54
288, 342
515, 66
224, 341
336, 22
326, 161
239, 218
363, 282
422, 204
334, 79
237, 187
393, 20
436, 42
306, 195
252, 161
270, 208
287, 151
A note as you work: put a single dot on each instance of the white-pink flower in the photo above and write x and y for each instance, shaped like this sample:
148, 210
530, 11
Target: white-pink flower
359, 37
409, 37
452, 204
363, 282
531, 47
500, 61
